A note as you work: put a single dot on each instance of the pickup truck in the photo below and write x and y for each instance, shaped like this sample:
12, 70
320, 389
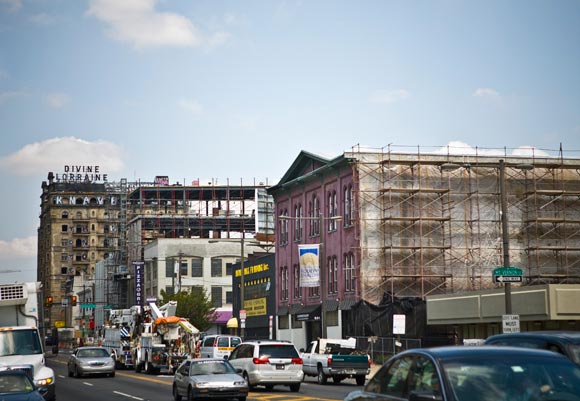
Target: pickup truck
338, 359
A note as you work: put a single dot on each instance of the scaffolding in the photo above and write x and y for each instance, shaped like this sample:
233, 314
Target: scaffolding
431, 224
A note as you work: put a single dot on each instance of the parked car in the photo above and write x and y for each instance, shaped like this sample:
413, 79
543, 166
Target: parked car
564, 342
485, 373
268, 363
218, 345
15, 385
90, 360
213, 378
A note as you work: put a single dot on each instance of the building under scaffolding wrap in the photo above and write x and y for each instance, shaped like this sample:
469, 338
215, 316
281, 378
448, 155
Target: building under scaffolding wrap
421, 225
431, 224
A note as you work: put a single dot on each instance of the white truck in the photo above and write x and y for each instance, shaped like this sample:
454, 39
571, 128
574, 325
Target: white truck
337, 359
117, 337
21, 345
164, 340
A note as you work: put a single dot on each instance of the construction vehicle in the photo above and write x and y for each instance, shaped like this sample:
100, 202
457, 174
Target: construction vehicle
117, 337
162, 340
21, 345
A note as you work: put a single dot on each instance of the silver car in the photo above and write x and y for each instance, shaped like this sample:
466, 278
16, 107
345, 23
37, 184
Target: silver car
91, 361
268, 363
208, 378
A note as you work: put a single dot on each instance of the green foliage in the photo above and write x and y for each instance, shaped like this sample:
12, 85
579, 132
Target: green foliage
196, 306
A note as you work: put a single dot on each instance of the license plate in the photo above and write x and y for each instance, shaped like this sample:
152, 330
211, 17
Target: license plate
280, 367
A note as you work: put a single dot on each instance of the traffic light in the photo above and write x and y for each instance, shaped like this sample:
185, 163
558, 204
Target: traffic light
48, 301
73, 300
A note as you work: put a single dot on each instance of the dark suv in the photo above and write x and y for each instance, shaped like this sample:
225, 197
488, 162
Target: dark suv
564, 342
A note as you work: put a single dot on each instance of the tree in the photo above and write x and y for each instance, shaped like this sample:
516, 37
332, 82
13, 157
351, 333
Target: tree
196, 306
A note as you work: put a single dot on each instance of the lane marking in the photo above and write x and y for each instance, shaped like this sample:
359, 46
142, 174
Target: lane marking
128, 395
88, 384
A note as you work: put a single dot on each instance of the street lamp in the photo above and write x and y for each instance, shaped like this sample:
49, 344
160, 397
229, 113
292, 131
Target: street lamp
322, 265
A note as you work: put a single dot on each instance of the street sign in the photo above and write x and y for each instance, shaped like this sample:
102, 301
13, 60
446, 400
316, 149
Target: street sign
507, 275
88, 306
511, 323
398, 324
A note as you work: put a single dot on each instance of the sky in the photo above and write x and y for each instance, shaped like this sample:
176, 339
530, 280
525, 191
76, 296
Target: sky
234, 90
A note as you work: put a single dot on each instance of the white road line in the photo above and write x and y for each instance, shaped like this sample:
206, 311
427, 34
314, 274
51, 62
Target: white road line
88, 384
128, 395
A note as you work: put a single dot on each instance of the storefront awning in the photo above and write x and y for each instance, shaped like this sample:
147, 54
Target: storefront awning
282, 311
222, 317
308, 313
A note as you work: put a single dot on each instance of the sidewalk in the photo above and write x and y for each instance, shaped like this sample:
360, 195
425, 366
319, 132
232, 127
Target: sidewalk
374, 368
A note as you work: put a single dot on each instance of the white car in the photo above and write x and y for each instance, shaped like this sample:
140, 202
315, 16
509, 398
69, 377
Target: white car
268, 363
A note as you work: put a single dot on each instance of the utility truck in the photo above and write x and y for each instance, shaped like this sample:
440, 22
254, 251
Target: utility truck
117, 338
163, 340
337, 359
21, 345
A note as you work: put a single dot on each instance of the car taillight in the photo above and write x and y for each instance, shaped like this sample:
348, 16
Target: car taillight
370, 362
329, 361
296, 361
263, 360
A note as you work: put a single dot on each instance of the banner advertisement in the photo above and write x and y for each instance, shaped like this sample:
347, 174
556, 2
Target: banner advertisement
138, 265
309, 265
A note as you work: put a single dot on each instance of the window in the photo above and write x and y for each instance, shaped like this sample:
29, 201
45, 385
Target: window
332, 275
296, 279
332, 211
348, 202
183, 268
65, 215
216, 296
393, 380
313, 292
283, 223
284, 283
216, 267
349, 278
169, 268
298, 222
229, 297
283, 322
64, 228
169, 290
196, 267
314, 221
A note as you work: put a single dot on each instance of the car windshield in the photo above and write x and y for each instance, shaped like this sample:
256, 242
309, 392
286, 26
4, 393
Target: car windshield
211, 368
19, 342
502, 379
15, 384
92, 353
278, 351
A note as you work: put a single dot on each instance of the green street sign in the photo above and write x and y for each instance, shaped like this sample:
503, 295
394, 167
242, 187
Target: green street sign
88, 306
507, 275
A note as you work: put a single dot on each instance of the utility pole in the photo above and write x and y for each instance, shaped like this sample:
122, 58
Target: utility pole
505, 235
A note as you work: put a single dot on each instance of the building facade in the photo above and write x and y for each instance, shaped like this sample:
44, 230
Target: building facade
413, 226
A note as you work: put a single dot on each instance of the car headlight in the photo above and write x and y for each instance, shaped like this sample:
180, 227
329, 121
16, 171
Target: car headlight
240, 383
201, 385
44, 382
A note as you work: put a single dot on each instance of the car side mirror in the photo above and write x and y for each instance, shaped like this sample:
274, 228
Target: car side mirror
425, 395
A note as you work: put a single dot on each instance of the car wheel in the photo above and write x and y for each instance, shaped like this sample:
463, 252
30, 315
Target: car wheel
247, 378
176, 395
321, 376
295, 387
189, 394
360, 380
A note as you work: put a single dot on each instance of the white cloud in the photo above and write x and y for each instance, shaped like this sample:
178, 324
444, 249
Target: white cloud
139, 23
51, 155
11, 5
18, 248
530, 151
6, 96
461, 148
389, 97
191, 105
486, 93
57, 100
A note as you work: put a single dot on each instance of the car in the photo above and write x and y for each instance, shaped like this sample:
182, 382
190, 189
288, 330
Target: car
218, 345
211, 378
90, 360
268, 363
564, 342
483, 373
16, 385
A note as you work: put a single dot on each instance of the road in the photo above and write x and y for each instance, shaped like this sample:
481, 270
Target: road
130, 386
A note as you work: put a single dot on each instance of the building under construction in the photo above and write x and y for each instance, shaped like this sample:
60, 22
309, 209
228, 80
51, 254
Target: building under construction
429, 224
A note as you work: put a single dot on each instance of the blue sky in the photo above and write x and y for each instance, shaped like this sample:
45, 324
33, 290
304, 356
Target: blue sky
236, 89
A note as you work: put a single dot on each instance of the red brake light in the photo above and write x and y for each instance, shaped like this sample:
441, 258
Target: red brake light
263, 360
329, 361
296, 361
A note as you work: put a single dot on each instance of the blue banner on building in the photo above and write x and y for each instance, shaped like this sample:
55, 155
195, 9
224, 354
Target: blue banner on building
309, 265
138, 265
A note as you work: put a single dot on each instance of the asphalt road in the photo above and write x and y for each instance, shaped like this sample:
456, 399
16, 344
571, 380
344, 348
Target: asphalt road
130, 386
